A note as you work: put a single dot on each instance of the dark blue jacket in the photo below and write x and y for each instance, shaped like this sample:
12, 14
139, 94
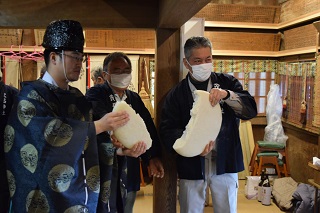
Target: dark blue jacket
176, 115
99, 97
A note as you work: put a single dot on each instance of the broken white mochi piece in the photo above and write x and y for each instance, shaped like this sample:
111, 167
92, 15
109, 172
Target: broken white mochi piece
203, 126
133, 131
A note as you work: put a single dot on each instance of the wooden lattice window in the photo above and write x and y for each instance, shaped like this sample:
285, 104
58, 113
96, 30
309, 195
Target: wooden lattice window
256, 76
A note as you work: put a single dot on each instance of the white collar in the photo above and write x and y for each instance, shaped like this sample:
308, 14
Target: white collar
48, 78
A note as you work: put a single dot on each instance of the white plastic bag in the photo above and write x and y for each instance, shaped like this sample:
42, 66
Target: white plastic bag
251, 187
274, 130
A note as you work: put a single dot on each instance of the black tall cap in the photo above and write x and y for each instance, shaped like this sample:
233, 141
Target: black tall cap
64, 35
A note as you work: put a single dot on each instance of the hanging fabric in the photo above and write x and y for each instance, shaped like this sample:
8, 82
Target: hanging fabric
285, 98
303, 107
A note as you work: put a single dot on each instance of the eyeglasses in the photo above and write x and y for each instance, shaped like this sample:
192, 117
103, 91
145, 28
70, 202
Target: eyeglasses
82, 58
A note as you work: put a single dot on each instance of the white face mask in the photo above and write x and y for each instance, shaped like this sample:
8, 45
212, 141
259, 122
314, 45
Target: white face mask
120, 81
201, 72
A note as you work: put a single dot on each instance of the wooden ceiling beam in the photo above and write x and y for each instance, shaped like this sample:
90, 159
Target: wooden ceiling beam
173, 14
100, 14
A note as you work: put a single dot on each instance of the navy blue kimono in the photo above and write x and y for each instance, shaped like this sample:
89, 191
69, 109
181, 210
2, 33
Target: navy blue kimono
51, 151
7, 95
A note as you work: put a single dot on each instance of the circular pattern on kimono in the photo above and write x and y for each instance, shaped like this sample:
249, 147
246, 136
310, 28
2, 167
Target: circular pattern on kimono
8, 138
105, 194
78, 209
11, 183
26, 111
75, 113
93, 179
60, 177
58, 133
37, 202
35, 96
106, 150
29, 157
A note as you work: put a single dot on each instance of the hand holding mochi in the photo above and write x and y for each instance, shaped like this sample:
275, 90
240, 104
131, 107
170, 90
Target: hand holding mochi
134, 130
203, 126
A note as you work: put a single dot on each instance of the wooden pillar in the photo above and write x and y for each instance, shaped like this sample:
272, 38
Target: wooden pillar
166, 76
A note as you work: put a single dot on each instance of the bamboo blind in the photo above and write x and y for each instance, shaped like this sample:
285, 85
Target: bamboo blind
301, 83
316, 104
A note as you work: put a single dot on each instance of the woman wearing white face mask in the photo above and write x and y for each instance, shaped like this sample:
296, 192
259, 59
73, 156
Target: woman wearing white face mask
103, 97
214, 169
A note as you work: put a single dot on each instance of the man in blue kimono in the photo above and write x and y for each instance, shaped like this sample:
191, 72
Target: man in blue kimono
50, 139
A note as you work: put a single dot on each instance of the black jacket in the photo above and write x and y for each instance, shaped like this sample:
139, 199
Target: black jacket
99, 96
176, 115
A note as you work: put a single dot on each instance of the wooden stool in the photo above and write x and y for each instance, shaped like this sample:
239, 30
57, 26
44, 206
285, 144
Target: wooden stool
267, 160
269, 147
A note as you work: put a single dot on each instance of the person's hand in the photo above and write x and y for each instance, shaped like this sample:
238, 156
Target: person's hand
137, 150
156, 168
111, 121
216, 95
208, 148
116, 143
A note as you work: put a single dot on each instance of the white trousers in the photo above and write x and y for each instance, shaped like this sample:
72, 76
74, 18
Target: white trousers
224, 189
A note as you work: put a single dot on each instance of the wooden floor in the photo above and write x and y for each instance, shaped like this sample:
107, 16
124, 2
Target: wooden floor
144, 201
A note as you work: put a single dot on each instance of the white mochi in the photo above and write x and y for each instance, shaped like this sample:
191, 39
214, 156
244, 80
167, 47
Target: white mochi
133, 131
203, 127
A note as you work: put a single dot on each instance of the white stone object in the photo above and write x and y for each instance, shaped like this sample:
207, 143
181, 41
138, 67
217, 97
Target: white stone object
133, 131
203, 126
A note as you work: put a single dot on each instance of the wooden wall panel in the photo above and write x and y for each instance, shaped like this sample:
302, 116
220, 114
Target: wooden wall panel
28, 38
244, 41
302, 146
240, 13
10, 37
292, 9
304, 36
29, 70
120, 38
